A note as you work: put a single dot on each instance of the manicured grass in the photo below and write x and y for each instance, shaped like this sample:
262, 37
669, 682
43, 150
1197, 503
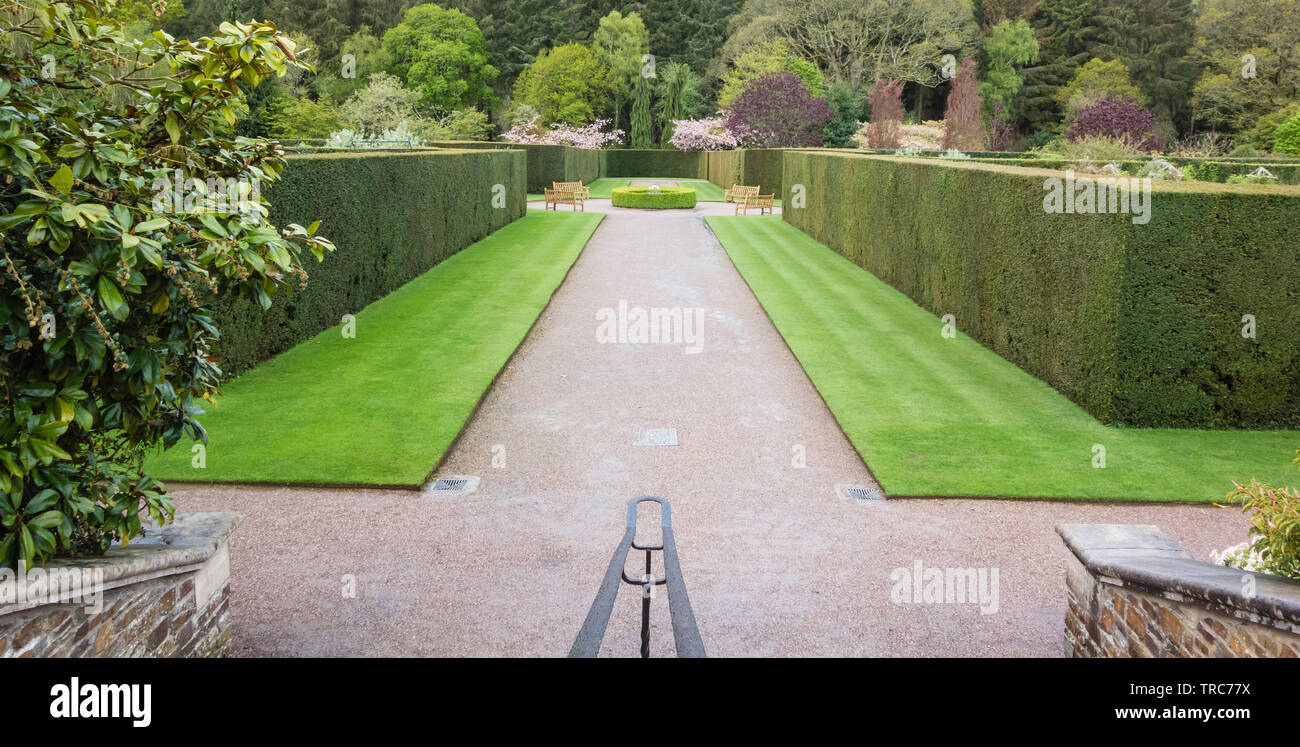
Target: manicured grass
601, 188
383, 407
948, 417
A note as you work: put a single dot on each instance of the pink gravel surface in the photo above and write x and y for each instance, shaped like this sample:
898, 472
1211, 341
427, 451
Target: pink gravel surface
776, 560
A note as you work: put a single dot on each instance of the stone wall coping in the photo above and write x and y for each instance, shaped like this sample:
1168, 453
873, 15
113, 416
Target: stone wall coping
1143, 556
181, 546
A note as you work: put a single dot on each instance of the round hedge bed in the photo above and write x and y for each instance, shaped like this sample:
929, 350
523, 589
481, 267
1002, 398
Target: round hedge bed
655, 198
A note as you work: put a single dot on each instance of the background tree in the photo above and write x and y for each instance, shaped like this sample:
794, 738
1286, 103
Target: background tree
1009, 46
859, 41
1092, 81
989, 13
1152, 38
1066, 32
679, 97
642, 124
620, 43
566, 84
1227, 30
964, 120
777, 111
441, 54
771, 56
846, 113
886, 114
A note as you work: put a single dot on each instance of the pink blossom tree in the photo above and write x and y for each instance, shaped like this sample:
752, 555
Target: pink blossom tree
702, 134
588, 137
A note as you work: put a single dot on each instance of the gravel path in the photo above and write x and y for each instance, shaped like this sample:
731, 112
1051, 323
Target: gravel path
777, 562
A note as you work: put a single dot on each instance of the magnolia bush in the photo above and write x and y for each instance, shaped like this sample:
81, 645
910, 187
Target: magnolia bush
127, 207
589, 137
702, 134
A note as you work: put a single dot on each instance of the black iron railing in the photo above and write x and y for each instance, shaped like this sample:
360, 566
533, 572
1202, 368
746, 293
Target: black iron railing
686, 635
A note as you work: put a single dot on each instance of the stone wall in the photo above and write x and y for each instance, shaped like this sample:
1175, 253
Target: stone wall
166, 594
1133, 592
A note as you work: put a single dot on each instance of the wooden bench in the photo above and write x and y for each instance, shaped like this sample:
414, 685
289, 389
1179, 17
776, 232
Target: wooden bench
761, 203
583, 192
739, 192
557, 197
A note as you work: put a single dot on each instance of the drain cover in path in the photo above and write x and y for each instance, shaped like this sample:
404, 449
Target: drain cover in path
861, 494
657, 437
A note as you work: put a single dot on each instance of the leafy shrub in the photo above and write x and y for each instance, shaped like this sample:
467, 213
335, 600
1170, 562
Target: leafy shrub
1095, 148
1039, 139
1119, 118
777, 111
1245, 150
1262, 134
1286, 138
653, 198
106, 328
1274, 546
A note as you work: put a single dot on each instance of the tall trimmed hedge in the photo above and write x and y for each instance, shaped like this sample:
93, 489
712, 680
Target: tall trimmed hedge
665, 164
1139, 324
392, 216
746, 166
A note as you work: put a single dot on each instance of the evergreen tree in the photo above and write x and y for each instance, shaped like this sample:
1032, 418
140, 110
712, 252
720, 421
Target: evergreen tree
642, 126
1152, 37
1067, 33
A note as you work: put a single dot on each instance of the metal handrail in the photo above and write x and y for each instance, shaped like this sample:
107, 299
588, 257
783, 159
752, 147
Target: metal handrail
686, 636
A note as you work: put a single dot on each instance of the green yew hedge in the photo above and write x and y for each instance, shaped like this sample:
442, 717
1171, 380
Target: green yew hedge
746, 166
1139, 324
664, 164
391, 216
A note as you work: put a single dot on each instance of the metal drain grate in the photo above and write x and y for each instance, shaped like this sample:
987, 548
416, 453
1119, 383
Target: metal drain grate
450, 483
863, 494
657, 437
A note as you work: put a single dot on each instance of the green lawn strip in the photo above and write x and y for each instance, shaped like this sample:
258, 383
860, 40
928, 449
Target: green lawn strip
600, 189
949, 417
383, 407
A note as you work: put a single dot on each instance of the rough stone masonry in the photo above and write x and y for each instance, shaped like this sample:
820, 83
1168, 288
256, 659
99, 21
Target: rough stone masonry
167, 594
1133, 592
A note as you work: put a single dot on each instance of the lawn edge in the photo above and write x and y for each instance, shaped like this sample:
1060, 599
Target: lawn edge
478, 403
1052, 499
709, 224
510, 358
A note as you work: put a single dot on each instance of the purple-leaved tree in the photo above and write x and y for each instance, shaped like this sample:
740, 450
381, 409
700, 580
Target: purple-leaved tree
776, 111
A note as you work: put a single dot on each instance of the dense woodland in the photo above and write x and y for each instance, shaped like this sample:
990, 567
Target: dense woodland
1212, 74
